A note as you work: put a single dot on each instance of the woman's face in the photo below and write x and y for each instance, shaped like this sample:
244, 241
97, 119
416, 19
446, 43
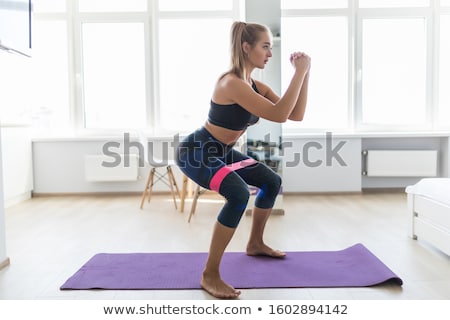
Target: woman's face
259, 55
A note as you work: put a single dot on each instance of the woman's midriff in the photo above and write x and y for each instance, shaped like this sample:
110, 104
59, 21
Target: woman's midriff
224, 135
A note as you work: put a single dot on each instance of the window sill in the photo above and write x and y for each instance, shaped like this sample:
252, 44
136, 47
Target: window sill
94, 138
355, 135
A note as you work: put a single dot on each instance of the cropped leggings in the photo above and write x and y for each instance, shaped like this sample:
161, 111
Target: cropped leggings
219, 167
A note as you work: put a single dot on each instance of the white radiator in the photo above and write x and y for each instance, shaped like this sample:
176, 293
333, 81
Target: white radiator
103, 168
400, 163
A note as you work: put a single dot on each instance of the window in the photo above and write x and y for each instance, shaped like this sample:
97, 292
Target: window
112, 5
50, 63
394, 72
49, 6
325, 39
114, 75
192, 53
195, 5
316, 4
444, 72
373, 66
132, 63
110, 65
393, 3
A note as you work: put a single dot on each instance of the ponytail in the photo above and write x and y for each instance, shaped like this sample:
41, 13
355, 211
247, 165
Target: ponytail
243, 32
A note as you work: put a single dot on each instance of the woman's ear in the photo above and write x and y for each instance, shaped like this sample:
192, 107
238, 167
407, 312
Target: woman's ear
245, 47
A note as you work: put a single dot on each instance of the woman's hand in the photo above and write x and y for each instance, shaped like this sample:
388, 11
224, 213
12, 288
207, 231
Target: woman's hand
300, 61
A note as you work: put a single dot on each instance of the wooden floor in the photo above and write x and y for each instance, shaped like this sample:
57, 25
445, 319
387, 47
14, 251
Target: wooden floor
49, 238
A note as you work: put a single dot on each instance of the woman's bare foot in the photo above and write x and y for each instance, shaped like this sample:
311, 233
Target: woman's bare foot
216, 287
263, 250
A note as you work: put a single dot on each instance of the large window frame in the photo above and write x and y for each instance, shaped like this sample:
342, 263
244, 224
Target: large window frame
364, 14
332, 13
356, 17
152, 15
150, 18
437, 76
80, 18
162, 16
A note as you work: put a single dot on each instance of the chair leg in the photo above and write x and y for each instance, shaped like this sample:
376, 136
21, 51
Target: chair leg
147, 185
190, 188
194, 202
183, 192
171, 181
152, 177
172, 176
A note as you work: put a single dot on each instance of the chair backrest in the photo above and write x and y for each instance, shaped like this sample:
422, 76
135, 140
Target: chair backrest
144, 142
148, 154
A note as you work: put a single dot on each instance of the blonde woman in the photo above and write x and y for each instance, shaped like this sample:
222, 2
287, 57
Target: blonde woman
207, 155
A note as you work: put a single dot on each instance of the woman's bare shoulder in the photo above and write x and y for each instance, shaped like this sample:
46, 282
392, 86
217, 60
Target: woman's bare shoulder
229, 80
227, 87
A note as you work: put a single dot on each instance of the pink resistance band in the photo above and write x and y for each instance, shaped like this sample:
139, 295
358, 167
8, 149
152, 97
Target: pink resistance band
224, 171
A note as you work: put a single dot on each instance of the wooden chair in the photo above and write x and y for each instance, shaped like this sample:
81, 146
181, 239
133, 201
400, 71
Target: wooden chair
160, 171
196, 194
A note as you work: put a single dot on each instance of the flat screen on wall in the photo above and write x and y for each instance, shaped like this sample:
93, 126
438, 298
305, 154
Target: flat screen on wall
15, 26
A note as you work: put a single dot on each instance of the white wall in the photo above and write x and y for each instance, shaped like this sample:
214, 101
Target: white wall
14, 103
445, 157
310, 165
17, 163
3, 257
267, 12
404, 142
58, 165
270, 15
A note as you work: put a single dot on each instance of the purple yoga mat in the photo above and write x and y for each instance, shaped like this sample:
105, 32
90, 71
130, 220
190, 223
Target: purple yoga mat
352, 267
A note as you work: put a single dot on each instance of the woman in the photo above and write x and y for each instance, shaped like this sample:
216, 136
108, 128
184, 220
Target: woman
207, 156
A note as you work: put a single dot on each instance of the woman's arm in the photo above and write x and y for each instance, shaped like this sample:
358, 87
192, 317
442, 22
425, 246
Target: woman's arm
241, 93
266, 91
299, 110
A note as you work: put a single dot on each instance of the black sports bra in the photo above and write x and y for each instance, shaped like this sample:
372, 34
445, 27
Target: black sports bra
231, 116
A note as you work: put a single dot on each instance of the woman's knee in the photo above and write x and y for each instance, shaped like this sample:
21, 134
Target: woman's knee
234, 208
273, 183
268, 192
237, 195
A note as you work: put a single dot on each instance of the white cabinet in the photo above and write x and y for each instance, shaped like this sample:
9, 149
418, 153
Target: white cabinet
16, 163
